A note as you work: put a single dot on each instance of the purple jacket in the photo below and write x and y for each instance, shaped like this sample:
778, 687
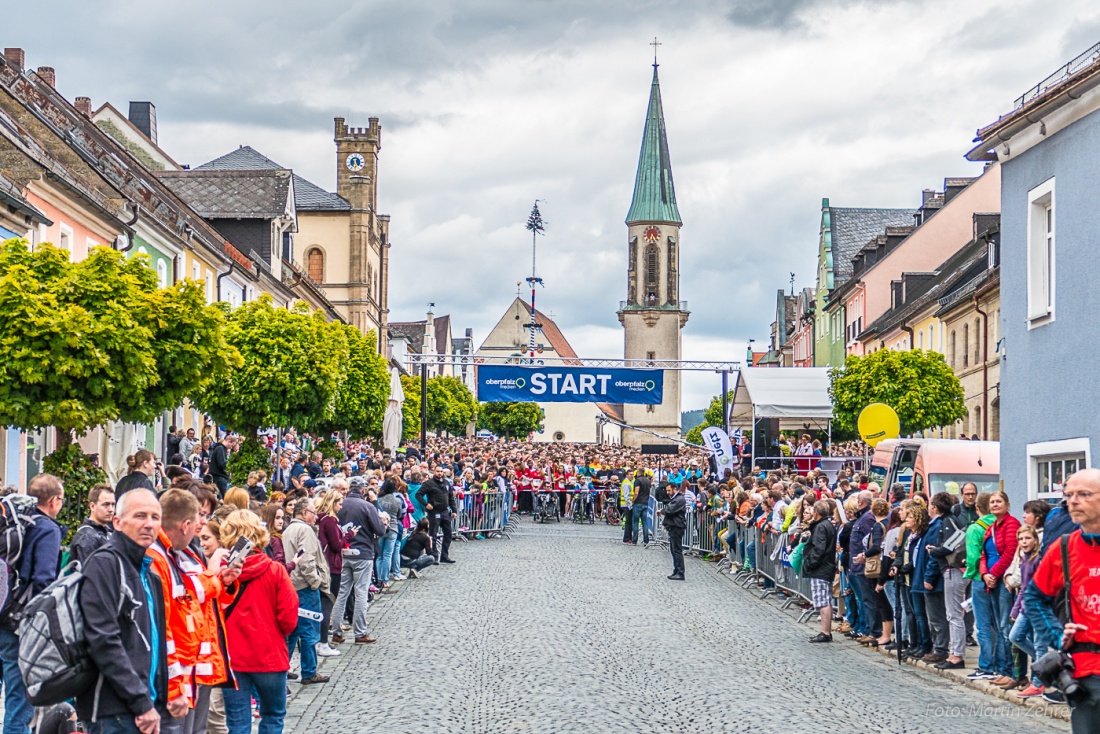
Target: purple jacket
861, 528
1027, 569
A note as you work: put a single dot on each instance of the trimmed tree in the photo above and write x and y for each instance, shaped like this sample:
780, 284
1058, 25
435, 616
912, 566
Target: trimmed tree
451, 405
510, 420
360, 401
291, 373
917, 384
95, 341
410, 409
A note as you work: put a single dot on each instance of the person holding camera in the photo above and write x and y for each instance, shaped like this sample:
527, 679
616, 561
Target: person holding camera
1072, 621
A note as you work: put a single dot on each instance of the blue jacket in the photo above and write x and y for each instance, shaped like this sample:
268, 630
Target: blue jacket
925, 568
1058, 523
861, 528
39, 565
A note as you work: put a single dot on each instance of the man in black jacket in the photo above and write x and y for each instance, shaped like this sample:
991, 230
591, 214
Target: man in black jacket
359, 514
127, 644
219, 463
675, 522
97, 528
819, 565
439, 500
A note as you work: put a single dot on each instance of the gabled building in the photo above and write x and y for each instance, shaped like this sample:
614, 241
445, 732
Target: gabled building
844, 230
1048, 150
431, 337
781, 349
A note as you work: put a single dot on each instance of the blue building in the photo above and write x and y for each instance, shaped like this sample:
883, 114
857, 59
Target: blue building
1049, 149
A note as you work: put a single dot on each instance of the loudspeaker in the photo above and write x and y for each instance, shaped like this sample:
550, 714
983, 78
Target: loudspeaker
667, 449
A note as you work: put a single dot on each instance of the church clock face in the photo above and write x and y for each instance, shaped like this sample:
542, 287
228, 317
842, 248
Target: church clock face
652, 234
355, 162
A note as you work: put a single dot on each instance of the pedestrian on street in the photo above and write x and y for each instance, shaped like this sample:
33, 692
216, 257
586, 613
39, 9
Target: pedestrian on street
142, 466
819, 565
675, 522
439, 501
362, 516
311, 579
219, 462
640, 507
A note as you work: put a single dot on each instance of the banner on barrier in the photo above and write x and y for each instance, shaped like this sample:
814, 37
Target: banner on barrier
540, 384
716, 440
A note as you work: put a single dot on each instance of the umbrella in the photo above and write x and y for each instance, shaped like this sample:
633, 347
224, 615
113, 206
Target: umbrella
391, 422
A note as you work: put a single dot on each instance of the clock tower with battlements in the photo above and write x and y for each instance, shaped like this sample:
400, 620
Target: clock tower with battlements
357, 151
653, 316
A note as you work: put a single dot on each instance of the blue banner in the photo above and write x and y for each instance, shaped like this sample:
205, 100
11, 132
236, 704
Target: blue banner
540, 384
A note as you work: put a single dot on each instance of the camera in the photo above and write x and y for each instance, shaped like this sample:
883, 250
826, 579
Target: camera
1056, 669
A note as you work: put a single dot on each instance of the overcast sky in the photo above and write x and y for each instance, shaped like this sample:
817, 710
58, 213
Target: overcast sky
486, 105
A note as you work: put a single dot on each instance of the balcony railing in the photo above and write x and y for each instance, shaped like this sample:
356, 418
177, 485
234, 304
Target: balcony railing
651, 305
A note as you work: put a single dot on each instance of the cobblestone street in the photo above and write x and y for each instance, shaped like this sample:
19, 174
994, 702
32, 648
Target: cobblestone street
564, 629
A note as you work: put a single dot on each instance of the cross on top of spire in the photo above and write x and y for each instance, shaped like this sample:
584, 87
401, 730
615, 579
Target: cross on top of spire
655, 44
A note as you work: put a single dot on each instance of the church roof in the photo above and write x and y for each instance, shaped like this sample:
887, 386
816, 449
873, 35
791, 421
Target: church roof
308, 196
232, 194
654, 196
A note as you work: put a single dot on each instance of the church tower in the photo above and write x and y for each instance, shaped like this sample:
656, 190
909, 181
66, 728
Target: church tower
652, 315
357, 151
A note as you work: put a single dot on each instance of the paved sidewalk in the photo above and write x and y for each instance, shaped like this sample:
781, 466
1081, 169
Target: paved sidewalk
564, 629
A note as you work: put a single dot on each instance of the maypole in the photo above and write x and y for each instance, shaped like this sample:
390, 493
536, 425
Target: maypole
536, 227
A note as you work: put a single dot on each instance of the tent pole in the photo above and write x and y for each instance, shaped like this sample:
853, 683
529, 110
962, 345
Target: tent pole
725, 402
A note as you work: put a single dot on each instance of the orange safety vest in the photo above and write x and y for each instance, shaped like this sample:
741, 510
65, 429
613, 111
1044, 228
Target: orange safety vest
195, 634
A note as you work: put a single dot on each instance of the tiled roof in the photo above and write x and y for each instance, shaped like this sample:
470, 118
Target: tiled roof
413, 331
853, 228
229, 194
308, 196
10, 195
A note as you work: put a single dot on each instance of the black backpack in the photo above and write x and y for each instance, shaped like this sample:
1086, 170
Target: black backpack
16, 519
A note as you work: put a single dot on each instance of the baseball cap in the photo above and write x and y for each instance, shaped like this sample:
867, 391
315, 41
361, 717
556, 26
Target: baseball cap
357, 483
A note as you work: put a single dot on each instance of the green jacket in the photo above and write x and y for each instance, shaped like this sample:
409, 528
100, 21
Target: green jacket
975, 536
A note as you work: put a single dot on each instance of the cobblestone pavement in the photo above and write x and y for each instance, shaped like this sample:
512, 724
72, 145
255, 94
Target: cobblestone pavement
564, 629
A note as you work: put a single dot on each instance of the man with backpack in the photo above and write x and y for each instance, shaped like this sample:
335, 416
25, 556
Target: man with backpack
123, 604
36, 567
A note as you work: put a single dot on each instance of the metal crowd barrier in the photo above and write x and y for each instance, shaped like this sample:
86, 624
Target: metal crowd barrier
486, 514
770, 558
658, 538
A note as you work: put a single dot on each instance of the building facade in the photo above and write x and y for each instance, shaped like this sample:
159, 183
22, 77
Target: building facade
653, 316
1048, 148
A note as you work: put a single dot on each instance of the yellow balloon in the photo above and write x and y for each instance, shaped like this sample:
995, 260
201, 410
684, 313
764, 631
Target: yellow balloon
877, 422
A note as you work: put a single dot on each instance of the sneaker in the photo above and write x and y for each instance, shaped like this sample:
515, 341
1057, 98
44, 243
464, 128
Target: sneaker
317, 678
325, 651
445, 560
413, 573
982, 675
1054, 696
971, 642
821, 637
292, 676
1032, 690
400, 577
373, 589
948, 665
365, 640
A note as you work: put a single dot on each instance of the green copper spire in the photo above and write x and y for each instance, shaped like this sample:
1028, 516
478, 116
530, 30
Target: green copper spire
654, 196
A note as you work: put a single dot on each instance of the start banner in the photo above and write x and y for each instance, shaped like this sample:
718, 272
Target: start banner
540, 384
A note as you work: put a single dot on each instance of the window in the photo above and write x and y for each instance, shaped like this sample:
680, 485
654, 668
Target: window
194, 271
315, 265
920, 339
652, 274
209, 287
966, 345
162, 273
65, 239
977, 341
1051, 463
951, 350
1040, 255
977, 425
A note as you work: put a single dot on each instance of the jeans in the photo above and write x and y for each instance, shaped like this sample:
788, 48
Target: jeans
328, 602
1085, 708
308, 632
270, 690
954, 592
1027, 638
870, 617
937, 622
991, 626
17, 710
854, 604
116, 725
355, 577
637, 516
418, 564
924, 636
384, 562
395, 559
196, 720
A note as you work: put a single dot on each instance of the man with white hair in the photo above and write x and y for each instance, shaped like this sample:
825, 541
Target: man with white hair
861, 528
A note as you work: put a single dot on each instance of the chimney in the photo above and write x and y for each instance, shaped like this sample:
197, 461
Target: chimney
15, 57
84, 106
46, 74
144, 117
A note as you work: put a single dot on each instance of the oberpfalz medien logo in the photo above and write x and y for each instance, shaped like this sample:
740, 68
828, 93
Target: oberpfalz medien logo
507, 383
636, 385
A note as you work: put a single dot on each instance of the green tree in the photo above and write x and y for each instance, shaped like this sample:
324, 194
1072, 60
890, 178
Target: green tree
96, 341
85, 343
361, 399
291, 372
410, 409
510, 420
917, 384
712, 416
451, 405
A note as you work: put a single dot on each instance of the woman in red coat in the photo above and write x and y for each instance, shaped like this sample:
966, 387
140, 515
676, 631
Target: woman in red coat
257, 624
998, 550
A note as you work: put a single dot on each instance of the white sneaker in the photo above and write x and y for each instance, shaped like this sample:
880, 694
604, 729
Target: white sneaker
413, 574
324, 650
400, 577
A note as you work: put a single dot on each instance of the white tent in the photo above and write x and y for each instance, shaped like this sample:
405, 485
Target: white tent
797, 396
